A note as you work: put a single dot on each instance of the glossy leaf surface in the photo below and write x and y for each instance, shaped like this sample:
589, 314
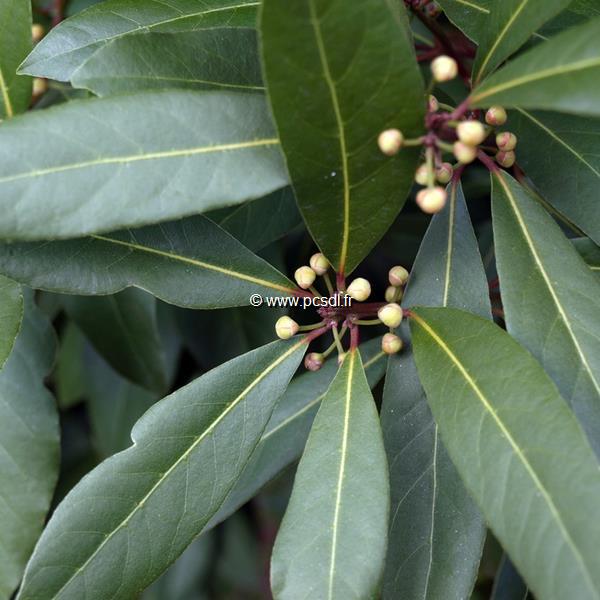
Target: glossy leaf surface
15, 44
318, 56
224, 58
132, 160
560, 74
432, 514
29, 445
508, 26
332, 541
76, 40
286, 433
551, 298
191, 263
560, 154
123, 328
471, 16
11, 312
517, 446
589, 251
154, 498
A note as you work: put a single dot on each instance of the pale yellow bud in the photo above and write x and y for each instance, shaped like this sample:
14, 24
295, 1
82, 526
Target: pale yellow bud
506, 141
390, 293
390, 315
314, 361
421, 175
319, 264
471, 133
464, 153
496, 115
359, 289
305, 277
398, 276
444, 68
444, 173
506, 159
286, 327
37, 32
390, 141
431, 200
391, 344
40, 86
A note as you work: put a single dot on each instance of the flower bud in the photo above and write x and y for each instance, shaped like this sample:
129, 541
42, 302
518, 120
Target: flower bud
314, 361
305, 277
398, 276
37, 32
506, 159
359, 289
464, 153
286, 327
432, 9
390, 293
319, 264
444, 68
40, 86
433, 104
506, 141
431, 200
421, 175
390, 141
390, 315
391, 343
471, 133
496, 115
444, 173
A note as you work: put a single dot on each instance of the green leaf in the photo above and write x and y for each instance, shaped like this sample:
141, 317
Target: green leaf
508, 584
123, 328
68, 46
15, 44
286, 433
332, 541
324, 51
517, 446
471, 16
432, 513
509, 25
150, 501
225, 58
191, 263
29, 445
560, 154
589, 251
559, 74
69, 375
551, 298
133, 160
11, 313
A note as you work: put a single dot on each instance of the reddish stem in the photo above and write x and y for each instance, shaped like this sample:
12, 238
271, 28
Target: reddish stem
491, 166
354, 337
59, 9
313, 335
340, 281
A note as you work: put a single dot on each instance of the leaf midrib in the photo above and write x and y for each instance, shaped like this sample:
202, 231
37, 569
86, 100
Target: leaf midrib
183, 457
559, 140
499, 39
344, 451
539, 264
518, 452
342, 133
195, 262
543, 74
473, 5
122, 160
5, 97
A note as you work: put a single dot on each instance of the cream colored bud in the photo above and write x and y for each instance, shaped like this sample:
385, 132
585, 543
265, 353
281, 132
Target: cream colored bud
319, 264
390, 315
506, 159
431, 200
398, 276
390, 141
305, 277
444, 68
496, 115
359, 289
390, 293
421, 175
464, 153
40, 86
314, 361
444, 173
506, 141
471, 133
391, 343
433, 104
37, 32
286, 327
